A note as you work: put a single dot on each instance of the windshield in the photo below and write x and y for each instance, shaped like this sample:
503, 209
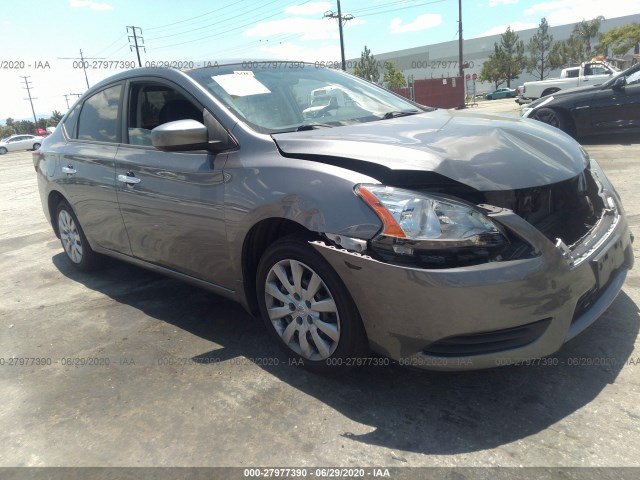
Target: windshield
275, 97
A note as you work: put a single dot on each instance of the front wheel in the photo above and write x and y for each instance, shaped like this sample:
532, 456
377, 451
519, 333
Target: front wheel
3, 150
552, 117
307, 308
73, 240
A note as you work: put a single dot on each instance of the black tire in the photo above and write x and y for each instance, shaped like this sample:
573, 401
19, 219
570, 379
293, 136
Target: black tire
74, 242
328, 339
36, 146
3, 150
552, 117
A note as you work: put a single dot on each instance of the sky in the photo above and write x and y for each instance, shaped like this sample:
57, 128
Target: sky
41, 38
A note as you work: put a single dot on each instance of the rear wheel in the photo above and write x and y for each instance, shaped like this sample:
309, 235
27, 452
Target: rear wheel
73, 240
307, 308
36, 146
552, 117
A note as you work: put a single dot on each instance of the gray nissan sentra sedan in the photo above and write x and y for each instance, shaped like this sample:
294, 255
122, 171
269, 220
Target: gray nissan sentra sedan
347, 217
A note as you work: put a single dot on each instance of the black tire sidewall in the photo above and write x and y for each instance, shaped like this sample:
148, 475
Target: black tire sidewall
352, 344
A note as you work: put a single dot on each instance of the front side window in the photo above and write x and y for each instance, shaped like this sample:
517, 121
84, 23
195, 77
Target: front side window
99, 116
274, 98
151, 105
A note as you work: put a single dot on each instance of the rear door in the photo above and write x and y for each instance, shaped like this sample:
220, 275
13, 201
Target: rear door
171, 202
87, 163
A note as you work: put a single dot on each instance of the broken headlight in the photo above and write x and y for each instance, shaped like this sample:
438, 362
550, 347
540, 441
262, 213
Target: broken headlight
429, 221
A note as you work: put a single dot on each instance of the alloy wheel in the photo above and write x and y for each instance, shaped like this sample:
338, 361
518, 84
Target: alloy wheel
70, 236
302, 310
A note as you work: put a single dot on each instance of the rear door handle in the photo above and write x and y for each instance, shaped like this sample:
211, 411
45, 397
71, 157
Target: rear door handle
129, 179
69, 170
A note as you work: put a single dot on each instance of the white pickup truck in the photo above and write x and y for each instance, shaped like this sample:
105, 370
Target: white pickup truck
587, 74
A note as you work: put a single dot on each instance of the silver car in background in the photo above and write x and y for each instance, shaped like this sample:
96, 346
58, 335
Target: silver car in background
16, 143
440, 239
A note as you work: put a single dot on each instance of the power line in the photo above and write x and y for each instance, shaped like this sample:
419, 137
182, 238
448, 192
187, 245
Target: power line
403, 8
224, 21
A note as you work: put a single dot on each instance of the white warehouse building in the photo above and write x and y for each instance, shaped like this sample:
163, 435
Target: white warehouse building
441, 59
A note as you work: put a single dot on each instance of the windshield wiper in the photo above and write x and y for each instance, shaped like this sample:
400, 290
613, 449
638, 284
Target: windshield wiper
312, 126
396, 114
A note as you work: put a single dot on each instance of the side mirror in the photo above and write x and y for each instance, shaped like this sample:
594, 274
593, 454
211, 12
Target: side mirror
180, 135
619, 84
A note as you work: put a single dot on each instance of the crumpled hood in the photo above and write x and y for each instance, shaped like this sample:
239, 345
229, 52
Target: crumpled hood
485, 152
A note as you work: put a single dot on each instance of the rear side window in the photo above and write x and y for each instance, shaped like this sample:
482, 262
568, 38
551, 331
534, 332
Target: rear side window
71, 122
99, 116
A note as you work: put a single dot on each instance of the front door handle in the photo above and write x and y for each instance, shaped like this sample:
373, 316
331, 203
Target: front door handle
69, 170
129, 179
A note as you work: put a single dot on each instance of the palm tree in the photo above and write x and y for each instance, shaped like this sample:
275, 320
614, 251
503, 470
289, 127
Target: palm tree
587, 30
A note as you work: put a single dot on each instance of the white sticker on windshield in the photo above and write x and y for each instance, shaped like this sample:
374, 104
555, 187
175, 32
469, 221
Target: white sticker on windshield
241, 84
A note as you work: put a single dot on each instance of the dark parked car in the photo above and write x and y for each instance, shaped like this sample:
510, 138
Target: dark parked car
613, 107
441, 239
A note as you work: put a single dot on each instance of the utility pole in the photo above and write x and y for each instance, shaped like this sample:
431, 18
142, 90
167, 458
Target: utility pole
83, 62
341, 19
67, 95
28, 87
135, 41
460, 66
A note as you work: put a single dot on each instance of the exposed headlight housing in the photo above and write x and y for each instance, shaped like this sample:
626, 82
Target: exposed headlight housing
428, 221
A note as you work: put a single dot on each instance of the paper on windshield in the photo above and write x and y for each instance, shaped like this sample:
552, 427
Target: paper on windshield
240, 83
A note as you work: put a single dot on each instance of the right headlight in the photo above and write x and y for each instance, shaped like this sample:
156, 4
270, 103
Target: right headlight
432, 221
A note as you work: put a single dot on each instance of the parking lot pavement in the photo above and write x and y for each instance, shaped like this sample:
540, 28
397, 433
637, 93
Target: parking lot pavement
135, 369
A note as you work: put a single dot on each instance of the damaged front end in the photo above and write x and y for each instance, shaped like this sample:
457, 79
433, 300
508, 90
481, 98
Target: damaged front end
485, 278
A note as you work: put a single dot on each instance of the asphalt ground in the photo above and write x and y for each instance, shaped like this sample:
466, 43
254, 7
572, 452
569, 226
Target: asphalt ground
135, 369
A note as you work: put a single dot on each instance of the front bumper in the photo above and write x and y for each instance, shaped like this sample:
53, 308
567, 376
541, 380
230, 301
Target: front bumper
485, 315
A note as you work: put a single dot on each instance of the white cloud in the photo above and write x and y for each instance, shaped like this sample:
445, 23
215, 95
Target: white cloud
422, 22
561, 12
515, 26
308, 8
292, 51
89, 4
310, 29
495, 3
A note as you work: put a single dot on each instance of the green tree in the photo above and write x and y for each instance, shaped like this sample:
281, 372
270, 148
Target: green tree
393, 76
24, 126
367, 67
511, 55
491, 69
568, 52
620, 40
56, 116
9, 122
541, 61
